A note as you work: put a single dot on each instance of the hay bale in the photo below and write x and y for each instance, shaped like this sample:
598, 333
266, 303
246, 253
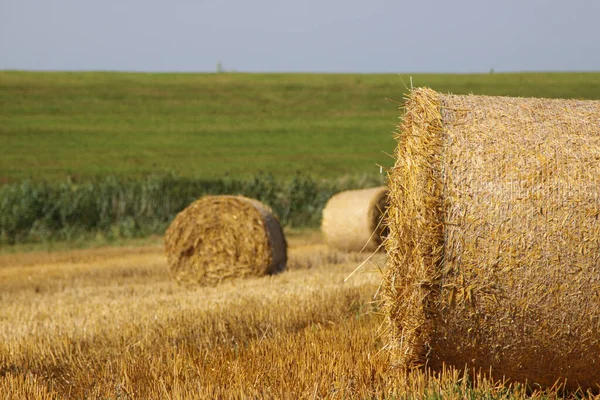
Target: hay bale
222, 237
494, 242
352, 219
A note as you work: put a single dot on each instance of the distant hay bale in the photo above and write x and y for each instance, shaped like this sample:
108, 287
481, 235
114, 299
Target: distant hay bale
222, 237
494, 238
352, 219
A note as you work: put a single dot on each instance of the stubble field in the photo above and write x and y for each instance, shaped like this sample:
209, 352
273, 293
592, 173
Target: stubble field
110, 323
113, 324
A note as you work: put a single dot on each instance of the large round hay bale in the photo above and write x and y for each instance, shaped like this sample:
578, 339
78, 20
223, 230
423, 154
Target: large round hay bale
494, 237
222, 237
352, 219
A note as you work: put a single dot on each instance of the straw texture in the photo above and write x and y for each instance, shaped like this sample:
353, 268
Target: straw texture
223, 237
352, 219
494, 237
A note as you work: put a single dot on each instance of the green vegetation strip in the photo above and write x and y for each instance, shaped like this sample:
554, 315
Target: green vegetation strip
116, 208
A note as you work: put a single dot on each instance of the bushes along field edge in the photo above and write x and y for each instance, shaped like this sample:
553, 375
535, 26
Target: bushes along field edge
118, 207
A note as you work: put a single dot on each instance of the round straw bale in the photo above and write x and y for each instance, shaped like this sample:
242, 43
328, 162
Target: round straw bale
494, 238
352, 219
222, 237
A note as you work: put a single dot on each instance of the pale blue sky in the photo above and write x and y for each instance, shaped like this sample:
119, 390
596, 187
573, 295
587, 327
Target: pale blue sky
308, 35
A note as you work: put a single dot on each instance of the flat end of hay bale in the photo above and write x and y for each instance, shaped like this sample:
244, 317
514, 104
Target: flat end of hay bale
217, 238
414, 228
352, 220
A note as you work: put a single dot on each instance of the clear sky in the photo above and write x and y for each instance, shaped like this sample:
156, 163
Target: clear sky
301, 36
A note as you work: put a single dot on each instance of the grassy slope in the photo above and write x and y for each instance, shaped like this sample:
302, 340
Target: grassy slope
209, 125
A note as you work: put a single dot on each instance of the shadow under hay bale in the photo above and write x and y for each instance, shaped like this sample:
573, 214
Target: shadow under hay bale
352, 219
222, 237
494, 238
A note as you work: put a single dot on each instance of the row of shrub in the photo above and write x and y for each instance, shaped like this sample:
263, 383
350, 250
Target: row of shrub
116, 207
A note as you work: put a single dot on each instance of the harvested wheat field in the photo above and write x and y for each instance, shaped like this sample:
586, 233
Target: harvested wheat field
494, 242
352, 220
74, 324
218, 238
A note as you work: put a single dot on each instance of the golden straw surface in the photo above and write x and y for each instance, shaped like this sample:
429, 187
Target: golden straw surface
352, 219
222, 237
494, 237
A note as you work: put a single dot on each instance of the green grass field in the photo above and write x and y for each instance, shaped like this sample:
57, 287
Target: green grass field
54, 125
